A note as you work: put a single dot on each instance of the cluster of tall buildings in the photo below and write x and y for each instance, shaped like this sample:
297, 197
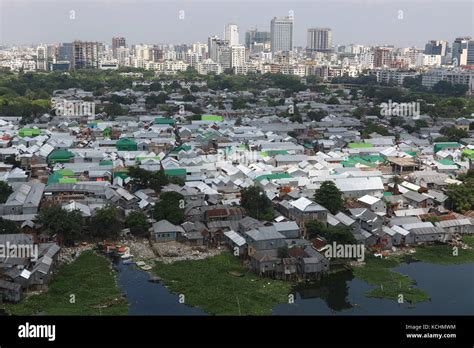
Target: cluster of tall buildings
258, 51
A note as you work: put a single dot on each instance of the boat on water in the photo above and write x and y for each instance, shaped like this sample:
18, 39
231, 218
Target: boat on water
127, 261
126, 256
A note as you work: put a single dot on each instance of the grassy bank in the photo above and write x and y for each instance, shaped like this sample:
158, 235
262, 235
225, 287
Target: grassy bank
388, 284
443, 254
92, 281
209, 285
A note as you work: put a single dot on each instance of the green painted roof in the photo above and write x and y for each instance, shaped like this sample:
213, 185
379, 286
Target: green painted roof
54, 178
125, 142
387, 194
161, 120
106, 163
29, 132
272, 153
212, 118
66, 172
411, 153
175, 172
446, 162
273, 176
182, 148
368, 160
360, 145
120, 175
60, 155
440, 146
67, 181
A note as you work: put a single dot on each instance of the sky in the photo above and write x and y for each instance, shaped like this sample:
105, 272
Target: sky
402, 23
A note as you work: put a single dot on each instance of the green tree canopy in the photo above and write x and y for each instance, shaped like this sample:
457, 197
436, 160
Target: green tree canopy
8, 227
137, 222
5, 191
329, 196
338, 234
105, 223
170, 207
256, 203
58, 221
461, 197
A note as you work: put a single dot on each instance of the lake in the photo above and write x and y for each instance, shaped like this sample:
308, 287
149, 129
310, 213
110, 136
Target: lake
450, 288
146, 298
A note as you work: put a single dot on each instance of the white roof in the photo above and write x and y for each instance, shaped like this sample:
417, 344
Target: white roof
235, 237
368, 199
356, 184
400, 230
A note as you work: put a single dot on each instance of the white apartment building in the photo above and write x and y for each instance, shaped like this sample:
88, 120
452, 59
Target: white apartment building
231, 34
452, 75
237, 55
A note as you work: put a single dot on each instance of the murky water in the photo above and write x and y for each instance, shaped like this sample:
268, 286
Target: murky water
146, 298
450, 288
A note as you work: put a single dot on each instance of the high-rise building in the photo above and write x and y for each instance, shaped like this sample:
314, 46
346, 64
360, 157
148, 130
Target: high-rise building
156, 54
253, 36
116, 43
212, 47
237, 55
85, 55
381, 57
42, 58
66, 52
459, 51
436, 47
142, 51
319, 39
231, 34
224, 54
470, 53
281, 33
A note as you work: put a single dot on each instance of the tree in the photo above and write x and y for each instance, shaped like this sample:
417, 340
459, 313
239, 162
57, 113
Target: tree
447, 88
8, 227
142, 178
5, 191
333, 101
282, 252
256, 203
155, 86
170, 207
317, 115
461, 197
137, 222
58, 221
454, 134
329, 196
371, 127
105, 223
338, 234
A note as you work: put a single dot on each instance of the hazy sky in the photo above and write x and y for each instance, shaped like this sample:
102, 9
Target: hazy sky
158, 21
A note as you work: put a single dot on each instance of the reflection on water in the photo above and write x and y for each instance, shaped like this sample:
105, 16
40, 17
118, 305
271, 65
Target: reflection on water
146, 298
332, 289
450, 288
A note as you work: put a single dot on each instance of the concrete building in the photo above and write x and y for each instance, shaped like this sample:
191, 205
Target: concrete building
281, 33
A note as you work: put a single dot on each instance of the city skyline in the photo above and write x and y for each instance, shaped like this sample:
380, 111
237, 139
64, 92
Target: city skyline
350, 21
